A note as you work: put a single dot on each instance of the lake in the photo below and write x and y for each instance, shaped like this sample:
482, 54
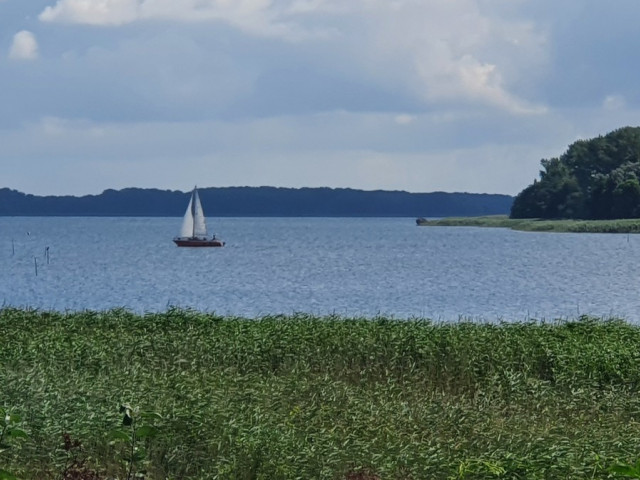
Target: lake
344, 266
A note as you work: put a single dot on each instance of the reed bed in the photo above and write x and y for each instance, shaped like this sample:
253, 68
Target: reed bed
630, 225
303, 397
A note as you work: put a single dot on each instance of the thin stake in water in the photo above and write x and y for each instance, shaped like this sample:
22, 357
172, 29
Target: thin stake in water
46, 254
35, 262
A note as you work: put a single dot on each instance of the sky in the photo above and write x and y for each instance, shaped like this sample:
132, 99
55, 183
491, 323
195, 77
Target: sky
414, 95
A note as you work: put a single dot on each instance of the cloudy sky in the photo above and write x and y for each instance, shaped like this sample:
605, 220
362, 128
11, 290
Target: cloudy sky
416, 95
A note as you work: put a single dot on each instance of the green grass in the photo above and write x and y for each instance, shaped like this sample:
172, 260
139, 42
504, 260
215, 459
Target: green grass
323, 398
538, 225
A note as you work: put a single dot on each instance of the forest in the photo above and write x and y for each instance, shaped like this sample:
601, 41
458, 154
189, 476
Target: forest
257, 202
594, 179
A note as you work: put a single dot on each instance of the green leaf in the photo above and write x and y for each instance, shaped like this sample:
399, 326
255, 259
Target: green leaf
119, 435
626, 470
139, 455
16, 433
146, 431
13, 418
151, 415
4, 475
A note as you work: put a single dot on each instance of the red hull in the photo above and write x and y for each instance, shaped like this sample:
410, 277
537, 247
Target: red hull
197, 243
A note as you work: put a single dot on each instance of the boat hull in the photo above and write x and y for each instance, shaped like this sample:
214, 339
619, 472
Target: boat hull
194, 242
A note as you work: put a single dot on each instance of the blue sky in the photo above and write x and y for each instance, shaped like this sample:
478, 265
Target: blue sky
416, 95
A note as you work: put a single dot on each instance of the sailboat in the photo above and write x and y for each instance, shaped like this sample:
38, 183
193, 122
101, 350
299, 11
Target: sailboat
194, 227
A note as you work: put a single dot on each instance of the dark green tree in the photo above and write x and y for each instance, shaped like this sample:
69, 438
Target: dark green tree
594, 179
556, 195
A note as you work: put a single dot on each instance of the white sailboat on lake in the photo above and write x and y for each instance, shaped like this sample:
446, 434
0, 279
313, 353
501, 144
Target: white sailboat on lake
194, 226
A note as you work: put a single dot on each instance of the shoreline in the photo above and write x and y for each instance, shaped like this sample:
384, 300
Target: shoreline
628, 225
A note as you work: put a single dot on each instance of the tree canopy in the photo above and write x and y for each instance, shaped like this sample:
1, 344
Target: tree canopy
594, 179
259, 202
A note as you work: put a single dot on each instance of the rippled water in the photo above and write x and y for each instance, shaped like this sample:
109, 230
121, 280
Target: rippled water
346, 266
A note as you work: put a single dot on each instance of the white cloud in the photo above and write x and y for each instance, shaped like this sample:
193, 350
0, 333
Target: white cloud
259, 17
317, 6
24, 46
469, 78
404, 119
614, 102
452, 52
441, 51
92, 12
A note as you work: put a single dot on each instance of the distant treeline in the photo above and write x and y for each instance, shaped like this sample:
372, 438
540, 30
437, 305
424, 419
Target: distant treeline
258, 201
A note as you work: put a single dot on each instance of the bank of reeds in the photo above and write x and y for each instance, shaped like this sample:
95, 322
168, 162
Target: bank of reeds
630, 225
284, 397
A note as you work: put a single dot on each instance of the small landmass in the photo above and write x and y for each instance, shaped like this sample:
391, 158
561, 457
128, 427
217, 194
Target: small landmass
629, 225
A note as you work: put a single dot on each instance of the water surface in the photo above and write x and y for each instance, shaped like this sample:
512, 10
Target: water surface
346, 266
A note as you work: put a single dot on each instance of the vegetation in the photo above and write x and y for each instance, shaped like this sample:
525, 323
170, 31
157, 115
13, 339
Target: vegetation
538, 225
327, 398
256, 202
593, 179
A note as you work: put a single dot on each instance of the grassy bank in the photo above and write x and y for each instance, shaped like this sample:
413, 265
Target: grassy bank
322, 398
538, 225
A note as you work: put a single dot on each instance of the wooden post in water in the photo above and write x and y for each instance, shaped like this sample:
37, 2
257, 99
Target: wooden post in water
46, 254
13, 247
35, 262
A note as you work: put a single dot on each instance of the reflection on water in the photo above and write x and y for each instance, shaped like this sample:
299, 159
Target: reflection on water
354, 267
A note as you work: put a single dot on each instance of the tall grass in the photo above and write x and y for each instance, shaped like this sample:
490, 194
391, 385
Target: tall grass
630, 225
306, 397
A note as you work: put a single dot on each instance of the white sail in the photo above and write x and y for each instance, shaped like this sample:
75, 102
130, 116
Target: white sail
187, 222
199, 224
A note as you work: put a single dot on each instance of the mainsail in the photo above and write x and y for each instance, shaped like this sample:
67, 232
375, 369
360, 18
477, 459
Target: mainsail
193, 223
199, 224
